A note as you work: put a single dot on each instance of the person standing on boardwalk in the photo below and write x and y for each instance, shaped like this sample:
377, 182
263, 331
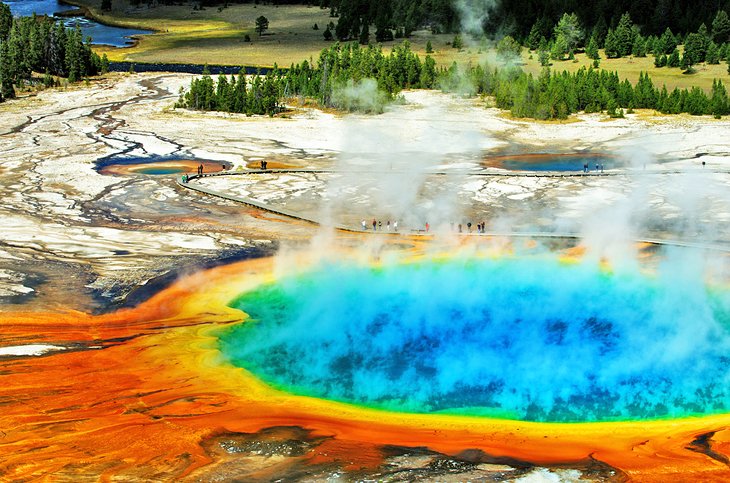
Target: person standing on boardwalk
375, 224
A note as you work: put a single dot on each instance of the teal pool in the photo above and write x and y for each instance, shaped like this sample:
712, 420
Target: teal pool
160, 171
529, 339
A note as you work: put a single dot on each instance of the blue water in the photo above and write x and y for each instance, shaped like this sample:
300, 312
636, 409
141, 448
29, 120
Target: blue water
560, 163
24, 8
100, 34
525, 339
105, 34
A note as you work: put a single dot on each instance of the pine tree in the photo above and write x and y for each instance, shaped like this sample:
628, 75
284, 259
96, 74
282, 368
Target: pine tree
57, 51
568, 35
508, 49
721, 27
624, 35
73, 55
262, 25
645, 94
365, 34
428, 73
222, 95
559, 48
600, 30
705, 36
37, 45
6, 79
639, 47
592, 48
611, 47
239, 93
543, 53
533, 39
48, 79
694, 50
713, 54
674, 60
457, 43
719, 101
697, 102
6, 21
354, 28
342, 31
667, 42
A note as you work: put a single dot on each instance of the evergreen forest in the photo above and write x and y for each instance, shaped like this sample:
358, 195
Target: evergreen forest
39, 44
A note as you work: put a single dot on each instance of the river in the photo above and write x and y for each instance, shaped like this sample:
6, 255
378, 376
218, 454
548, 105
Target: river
99, 33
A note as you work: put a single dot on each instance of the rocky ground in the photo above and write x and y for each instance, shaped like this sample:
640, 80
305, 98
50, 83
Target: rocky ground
73, 238
67, 226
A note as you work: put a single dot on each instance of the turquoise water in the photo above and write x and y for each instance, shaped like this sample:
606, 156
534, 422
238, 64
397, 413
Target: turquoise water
160, 171
529, 339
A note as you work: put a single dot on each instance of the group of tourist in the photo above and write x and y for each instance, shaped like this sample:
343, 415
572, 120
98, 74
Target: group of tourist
598, 166
480, 227
378, 225
468, 227
186, 177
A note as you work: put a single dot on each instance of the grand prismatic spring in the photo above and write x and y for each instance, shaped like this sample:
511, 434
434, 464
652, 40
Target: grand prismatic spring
153, 332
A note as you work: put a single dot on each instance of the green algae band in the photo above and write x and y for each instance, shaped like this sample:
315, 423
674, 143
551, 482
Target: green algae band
530, 339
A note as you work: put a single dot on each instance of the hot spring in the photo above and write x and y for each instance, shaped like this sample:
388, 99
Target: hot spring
528, 338
554, 162
157, 166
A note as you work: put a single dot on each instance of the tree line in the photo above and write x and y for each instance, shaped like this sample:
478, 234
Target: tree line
518, 18
556, 95
38, 44
654, 16
709, 45
346, 76
338, 80
259, 95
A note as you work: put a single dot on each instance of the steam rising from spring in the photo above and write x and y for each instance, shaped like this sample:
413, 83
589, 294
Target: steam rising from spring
474, 14
522, 338
527, 338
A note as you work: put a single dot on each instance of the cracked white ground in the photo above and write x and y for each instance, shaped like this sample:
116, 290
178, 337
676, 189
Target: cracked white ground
73, 236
